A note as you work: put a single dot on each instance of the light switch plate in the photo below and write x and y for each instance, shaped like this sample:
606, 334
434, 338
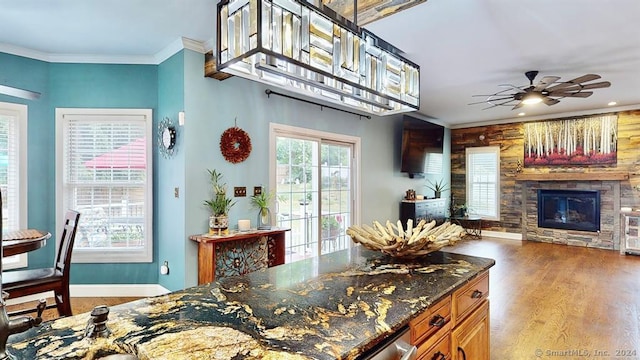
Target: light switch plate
240, 191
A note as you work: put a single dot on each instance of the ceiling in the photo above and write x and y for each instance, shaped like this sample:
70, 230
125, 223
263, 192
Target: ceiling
464, 47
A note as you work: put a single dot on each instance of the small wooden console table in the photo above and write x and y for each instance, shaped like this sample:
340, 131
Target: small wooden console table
238, 253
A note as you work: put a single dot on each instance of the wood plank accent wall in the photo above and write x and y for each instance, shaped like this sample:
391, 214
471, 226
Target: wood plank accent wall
510, 138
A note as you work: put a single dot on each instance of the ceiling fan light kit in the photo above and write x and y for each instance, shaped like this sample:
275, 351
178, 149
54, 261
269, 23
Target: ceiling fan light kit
548, 90
313, 51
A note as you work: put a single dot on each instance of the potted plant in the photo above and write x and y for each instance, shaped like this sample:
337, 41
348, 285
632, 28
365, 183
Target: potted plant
219, 205
330, 227
437, 187
262, 202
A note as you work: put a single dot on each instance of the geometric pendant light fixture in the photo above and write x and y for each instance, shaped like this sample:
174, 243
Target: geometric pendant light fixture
313, 51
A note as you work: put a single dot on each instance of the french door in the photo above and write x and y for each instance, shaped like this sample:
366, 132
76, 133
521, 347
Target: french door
313, 175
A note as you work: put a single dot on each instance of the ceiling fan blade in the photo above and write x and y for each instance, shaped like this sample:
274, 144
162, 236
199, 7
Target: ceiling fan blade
546, 81
599, 85
581, 94
518, 105
550, 101
509, 98
512, 86
578, 80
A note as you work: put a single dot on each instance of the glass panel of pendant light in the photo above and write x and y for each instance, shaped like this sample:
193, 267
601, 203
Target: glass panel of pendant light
336, 53
265, 25
295, 37
320, 59
237, 34
253, 23
244, 38
321, 32
287, 34
224, 34
289, 5
276, 29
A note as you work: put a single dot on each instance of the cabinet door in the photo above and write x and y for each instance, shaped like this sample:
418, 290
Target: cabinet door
470, 339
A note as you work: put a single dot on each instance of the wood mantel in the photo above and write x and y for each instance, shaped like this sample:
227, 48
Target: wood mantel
569, 176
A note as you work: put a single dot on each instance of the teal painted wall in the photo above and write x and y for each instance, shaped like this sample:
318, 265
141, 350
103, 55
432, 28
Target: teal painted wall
33, 75
74, 85
105, 86
169, 174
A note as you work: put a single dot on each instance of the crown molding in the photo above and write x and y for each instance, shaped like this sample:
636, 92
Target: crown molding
159, 57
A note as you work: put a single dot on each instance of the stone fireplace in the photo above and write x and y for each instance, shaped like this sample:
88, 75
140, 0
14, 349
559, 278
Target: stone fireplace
604, 235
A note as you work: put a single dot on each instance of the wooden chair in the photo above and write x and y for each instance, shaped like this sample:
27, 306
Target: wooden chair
34, 281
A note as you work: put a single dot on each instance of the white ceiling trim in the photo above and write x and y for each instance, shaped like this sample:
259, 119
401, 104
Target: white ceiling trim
158, 58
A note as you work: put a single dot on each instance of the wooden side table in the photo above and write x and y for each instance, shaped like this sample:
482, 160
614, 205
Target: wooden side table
260, 248
471, 224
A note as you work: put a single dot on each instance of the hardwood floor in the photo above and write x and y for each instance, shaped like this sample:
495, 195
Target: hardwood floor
552, 301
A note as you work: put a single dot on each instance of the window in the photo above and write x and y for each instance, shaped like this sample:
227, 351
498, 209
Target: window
13, 167
104, 172
483, 181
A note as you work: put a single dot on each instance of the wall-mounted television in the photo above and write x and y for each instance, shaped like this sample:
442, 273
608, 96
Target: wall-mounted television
419, 137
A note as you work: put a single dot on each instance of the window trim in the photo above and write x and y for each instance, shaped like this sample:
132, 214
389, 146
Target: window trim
21, 112
484, 150
111, 255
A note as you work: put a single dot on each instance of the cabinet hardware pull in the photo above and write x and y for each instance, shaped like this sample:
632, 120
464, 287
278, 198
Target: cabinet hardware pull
476, 294
439, 356
464, 355
437, 321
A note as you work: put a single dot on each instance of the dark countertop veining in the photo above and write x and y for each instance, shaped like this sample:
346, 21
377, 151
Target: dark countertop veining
333, 307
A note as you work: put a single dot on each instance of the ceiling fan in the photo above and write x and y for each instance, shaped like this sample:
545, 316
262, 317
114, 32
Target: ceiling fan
548, 90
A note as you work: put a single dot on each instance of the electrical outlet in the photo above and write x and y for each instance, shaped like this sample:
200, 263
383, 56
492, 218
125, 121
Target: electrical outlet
240, 191
257, 190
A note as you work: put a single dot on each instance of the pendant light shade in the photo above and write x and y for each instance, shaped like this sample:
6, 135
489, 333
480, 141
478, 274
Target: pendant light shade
313, 51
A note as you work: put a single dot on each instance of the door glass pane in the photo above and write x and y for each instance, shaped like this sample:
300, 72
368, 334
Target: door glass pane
297, 195
335, 190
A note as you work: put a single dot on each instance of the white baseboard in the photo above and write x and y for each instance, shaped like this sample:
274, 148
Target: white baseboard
502, 235
103, 290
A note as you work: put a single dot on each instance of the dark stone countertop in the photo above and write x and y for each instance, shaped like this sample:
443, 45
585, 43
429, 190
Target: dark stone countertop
337, 306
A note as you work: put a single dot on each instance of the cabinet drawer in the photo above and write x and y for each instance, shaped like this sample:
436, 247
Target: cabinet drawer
468, 297
437, 347
430, 321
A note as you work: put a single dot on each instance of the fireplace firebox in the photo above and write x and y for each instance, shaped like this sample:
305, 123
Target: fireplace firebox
569, 209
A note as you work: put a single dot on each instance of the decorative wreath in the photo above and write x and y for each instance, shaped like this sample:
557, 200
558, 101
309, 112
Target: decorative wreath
235, 145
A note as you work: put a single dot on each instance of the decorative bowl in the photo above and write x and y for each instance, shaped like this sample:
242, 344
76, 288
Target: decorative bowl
396, 241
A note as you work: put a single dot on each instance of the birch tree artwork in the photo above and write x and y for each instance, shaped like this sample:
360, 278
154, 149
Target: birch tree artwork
586, 141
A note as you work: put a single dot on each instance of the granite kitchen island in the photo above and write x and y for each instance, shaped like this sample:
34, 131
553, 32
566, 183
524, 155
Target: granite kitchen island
338, 306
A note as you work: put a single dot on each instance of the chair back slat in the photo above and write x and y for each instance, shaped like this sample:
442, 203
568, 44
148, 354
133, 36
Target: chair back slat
67, 238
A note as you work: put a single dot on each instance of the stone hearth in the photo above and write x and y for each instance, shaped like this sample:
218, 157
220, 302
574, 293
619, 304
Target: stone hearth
607, 238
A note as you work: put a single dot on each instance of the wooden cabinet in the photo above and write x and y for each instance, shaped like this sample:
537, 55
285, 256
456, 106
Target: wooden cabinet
470, 318
457, 326
430, 209
470, 339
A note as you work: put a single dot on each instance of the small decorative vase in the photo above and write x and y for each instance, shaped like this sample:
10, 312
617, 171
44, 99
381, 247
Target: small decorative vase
264, 219
437, 194
218, 224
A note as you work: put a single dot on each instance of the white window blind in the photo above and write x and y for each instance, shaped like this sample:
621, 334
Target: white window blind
483, 181
13, 125
106, 176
